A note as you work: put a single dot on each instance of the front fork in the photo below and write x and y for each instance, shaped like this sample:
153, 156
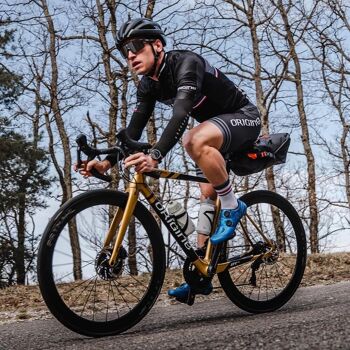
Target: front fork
122, 218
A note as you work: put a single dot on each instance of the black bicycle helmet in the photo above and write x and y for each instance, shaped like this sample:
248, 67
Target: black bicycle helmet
143, 28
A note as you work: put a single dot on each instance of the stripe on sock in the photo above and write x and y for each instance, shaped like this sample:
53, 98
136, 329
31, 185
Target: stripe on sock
222, 186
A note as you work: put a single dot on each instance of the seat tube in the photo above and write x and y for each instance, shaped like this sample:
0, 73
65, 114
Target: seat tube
128, 212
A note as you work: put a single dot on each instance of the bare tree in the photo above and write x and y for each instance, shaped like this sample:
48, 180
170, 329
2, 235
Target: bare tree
327, 43
293, 34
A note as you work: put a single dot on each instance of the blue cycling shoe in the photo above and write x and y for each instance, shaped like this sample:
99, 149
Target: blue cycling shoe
183, 290
228, 220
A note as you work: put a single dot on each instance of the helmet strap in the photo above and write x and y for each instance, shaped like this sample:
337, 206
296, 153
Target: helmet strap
156, 58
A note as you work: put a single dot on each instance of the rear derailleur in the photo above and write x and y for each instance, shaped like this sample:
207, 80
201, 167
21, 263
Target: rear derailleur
261, 248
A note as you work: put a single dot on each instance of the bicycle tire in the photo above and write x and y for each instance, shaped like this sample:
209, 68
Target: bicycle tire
125, 301
237, 282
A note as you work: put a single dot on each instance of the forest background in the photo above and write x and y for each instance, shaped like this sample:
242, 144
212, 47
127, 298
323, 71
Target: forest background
60, 75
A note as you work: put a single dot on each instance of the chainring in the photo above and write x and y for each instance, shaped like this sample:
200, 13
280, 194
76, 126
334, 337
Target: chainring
193, 277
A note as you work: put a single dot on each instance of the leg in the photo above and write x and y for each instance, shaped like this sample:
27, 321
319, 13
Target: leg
227, 133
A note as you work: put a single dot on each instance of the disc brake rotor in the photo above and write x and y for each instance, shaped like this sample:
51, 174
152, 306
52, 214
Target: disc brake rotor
106, 271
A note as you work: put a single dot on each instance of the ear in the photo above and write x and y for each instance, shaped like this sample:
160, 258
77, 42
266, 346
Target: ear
158, 46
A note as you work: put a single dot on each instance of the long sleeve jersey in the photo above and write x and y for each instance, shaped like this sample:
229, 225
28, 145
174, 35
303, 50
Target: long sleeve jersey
193, 87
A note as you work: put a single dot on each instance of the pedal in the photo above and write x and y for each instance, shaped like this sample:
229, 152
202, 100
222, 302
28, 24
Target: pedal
189, 299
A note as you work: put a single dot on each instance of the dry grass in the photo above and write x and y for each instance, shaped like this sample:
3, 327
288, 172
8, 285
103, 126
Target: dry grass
25, 302
327, 269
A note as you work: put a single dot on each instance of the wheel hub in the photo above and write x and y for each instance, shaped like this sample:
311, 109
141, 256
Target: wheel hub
106, 271
272, 256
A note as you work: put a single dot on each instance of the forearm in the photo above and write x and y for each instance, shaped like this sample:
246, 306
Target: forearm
137, 123
175, 128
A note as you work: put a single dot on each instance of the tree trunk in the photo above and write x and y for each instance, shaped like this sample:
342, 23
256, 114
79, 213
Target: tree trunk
66, 179
314, 243
20, 264
261, 104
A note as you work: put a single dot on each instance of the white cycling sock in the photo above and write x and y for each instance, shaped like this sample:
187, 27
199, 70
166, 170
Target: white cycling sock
227, 197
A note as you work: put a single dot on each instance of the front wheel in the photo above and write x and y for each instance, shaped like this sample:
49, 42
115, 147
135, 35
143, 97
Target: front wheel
79, 287
268, 282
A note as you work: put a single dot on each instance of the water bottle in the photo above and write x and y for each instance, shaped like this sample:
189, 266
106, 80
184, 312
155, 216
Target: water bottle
185, 222
206, 217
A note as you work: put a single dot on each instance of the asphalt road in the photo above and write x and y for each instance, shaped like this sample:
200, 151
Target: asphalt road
316, 318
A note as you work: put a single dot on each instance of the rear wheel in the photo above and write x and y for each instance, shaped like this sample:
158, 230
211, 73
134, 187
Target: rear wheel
79, 287
268, 282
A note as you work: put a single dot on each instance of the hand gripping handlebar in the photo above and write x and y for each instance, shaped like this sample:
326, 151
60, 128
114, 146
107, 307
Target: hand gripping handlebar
125, 146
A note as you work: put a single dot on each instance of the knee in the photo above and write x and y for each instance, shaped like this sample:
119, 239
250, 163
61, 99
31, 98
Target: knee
187, 141
193, 144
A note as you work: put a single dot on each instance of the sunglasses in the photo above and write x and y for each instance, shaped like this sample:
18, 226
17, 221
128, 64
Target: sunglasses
134, 46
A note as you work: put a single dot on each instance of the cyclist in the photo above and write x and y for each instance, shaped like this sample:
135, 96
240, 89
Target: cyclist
228, 121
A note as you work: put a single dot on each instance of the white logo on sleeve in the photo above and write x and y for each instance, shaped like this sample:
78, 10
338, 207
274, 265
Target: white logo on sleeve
187, 88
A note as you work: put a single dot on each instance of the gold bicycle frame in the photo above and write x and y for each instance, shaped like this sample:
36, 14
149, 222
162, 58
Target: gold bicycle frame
122, 218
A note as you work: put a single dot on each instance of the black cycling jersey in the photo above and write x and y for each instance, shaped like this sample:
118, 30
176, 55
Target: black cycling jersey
193, 87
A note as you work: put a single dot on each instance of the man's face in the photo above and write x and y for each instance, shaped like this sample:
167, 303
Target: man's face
142, 61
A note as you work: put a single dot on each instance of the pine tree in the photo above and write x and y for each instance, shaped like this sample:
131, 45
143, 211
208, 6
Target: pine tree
24, 179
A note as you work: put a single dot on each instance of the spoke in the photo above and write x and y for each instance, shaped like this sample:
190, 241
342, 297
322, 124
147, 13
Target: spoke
267, 279
109, 287
71, 263
293, 238
287, 266
278, 274
115, 301
93, 310
137, 280
127, 305
80, 284
136, 297
71, 273
252, 288
70, 255
260, 283
283, 272
248, 266
272, 287
88, 297
145, 257
63, 253
91, 241
81, 293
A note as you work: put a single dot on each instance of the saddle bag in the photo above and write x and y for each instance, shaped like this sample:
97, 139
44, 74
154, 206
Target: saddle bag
268, 150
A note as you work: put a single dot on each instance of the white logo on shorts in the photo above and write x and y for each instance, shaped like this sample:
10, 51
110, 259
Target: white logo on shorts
245, 122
